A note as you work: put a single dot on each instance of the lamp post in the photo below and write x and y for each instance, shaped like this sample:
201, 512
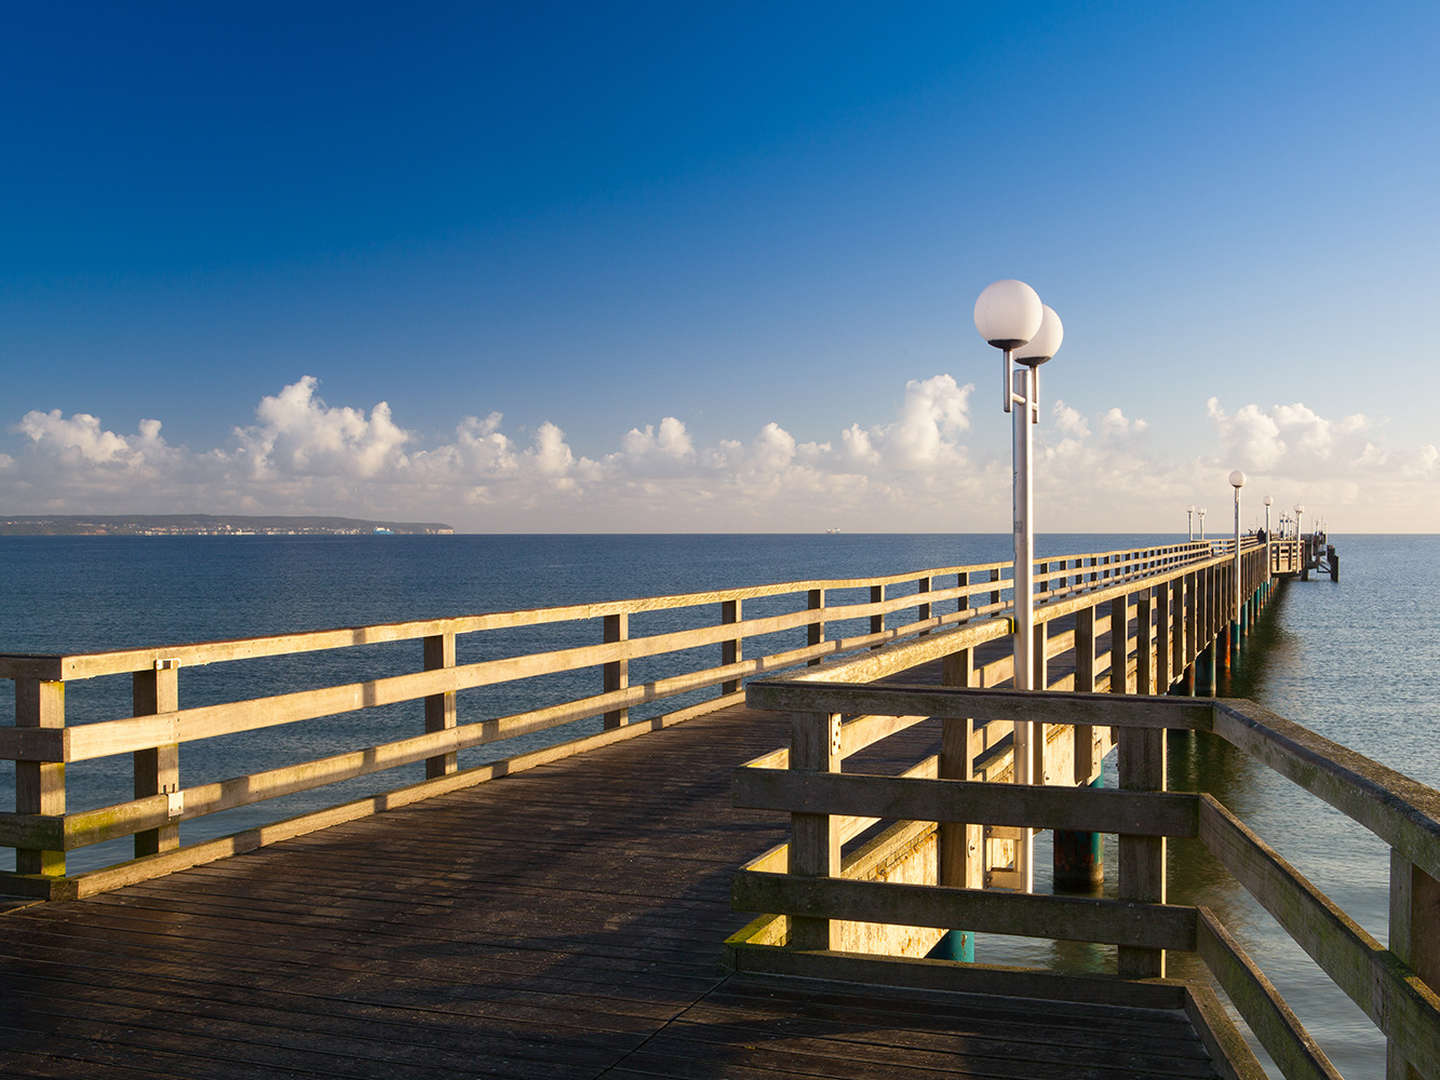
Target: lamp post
1268, 501
1201, 511
1010, 316
1299, 513
1237, 481
1190, 522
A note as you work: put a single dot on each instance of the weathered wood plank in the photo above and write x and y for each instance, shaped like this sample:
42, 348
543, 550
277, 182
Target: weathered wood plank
1227, 1046
1027, 915
1139, 813
983, 705
814, 838
1259, 1004
963, 978
1388, 991
39, 786
1403, 812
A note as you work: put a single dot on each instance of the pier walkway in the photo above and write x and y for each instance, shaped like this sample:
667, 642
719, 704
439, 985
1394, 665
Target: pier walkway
581, 909
564, 922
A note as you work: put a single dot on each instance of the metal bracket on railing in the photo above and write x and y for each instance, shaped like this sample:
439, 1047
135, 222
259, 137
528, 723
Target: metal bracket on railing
167, 664
177, 803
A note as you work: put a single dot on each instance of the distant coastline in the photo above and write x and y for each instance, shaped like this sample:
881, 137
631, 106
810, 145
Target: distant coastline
210, 525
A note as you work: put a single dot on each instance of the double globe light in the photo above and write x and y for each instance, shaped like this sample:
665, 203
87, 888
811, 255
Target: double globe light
1010, 316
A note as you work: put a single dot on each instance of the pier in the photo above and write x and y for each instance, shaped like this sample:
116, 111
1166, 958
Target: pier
765, 882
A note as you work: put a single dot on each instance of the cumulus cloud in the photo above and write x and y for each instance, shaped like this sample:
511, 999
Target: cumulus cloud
1069, 421
934, 412
297, 433
79, 438
1291, 439
1115, 424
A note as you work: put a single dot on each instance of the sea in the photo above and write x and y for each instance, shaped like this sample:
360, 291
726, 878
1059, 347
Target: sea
1357, 660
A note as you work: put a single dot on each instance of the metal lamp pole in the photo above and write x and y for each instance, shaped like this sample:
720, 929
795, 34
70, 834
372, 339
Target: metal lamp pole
1237, 481
1190, 522
1201, 512
1010, 316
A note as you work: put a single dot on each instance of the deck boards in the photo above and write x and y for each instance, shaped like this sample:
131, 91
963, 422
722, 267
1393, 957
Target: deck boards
562, 922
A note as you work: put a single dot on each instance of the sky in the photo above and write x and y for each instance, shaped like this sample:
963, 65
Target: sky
701, 267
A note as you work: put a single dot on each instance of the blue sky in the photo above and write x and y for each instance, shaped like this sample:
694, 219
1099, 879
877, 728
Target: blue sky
766, 222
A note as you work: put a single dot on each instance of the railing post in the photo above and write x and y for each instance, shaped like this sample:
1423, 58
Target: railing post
1144, 642
995, 593
439, 652
1141, 753
1119, 645
1414, 938
1164, 632
1039, 680
814, 838
1192, 627
730, 651
1077, 859
877, 622
1039, 663
962, 579
922, 613
39, 785
961, 845
815, 632
616, 673
157, 770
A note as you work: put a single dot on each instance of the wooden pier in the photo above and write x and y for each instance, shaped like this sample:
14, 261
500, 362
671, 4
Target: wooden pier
571, 917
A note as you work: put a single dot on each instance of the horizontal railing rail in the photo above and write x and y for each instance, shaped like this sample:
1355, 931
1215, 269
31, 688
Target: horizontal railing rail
803, 890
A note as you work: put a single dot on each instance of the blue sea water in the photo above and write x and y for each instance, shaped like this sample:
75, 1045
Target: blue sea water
1358, 661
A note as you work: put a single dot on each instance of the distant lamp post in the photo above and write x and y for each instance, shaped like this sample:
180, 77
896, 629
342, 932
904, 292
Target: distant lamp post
1201, 511
1190, 522
1299, 513
1237, 481
1010, 316
1268, 501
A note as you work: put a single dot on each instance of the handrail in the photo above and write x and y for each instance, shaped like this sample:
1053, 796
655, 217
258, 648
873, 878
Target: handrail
1395, 986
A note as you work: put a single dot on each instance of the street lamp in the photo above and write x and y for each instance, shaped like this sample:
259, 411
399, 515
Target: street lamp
1237, 481
1190, 522
1010, 316
1201, 511
1299, 513
1268, 501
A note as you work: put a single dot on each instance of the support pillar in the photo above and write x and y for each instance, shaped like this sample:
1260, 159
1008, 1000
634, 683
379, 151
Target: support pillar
1079, 859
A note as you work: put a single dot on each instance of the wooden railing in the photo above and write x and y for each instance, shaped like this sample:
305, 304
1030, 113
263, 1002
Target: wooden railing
1286, 556
42, 829
808, 893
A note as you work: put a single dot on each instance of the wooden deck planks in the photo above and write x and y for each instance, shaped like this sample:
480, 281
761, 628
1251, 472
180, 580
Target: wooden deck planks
562, 922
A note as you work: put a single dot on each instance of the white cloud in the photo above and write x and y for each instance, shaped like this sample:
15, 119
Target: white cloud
1292, 440
1068, 420
302, 455
298, 433
935, 410
80, 438
1114, 424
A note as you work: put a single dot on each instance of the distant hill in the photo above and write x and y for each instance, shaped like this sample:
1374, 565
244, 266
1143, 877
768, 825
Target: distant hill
207, 525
